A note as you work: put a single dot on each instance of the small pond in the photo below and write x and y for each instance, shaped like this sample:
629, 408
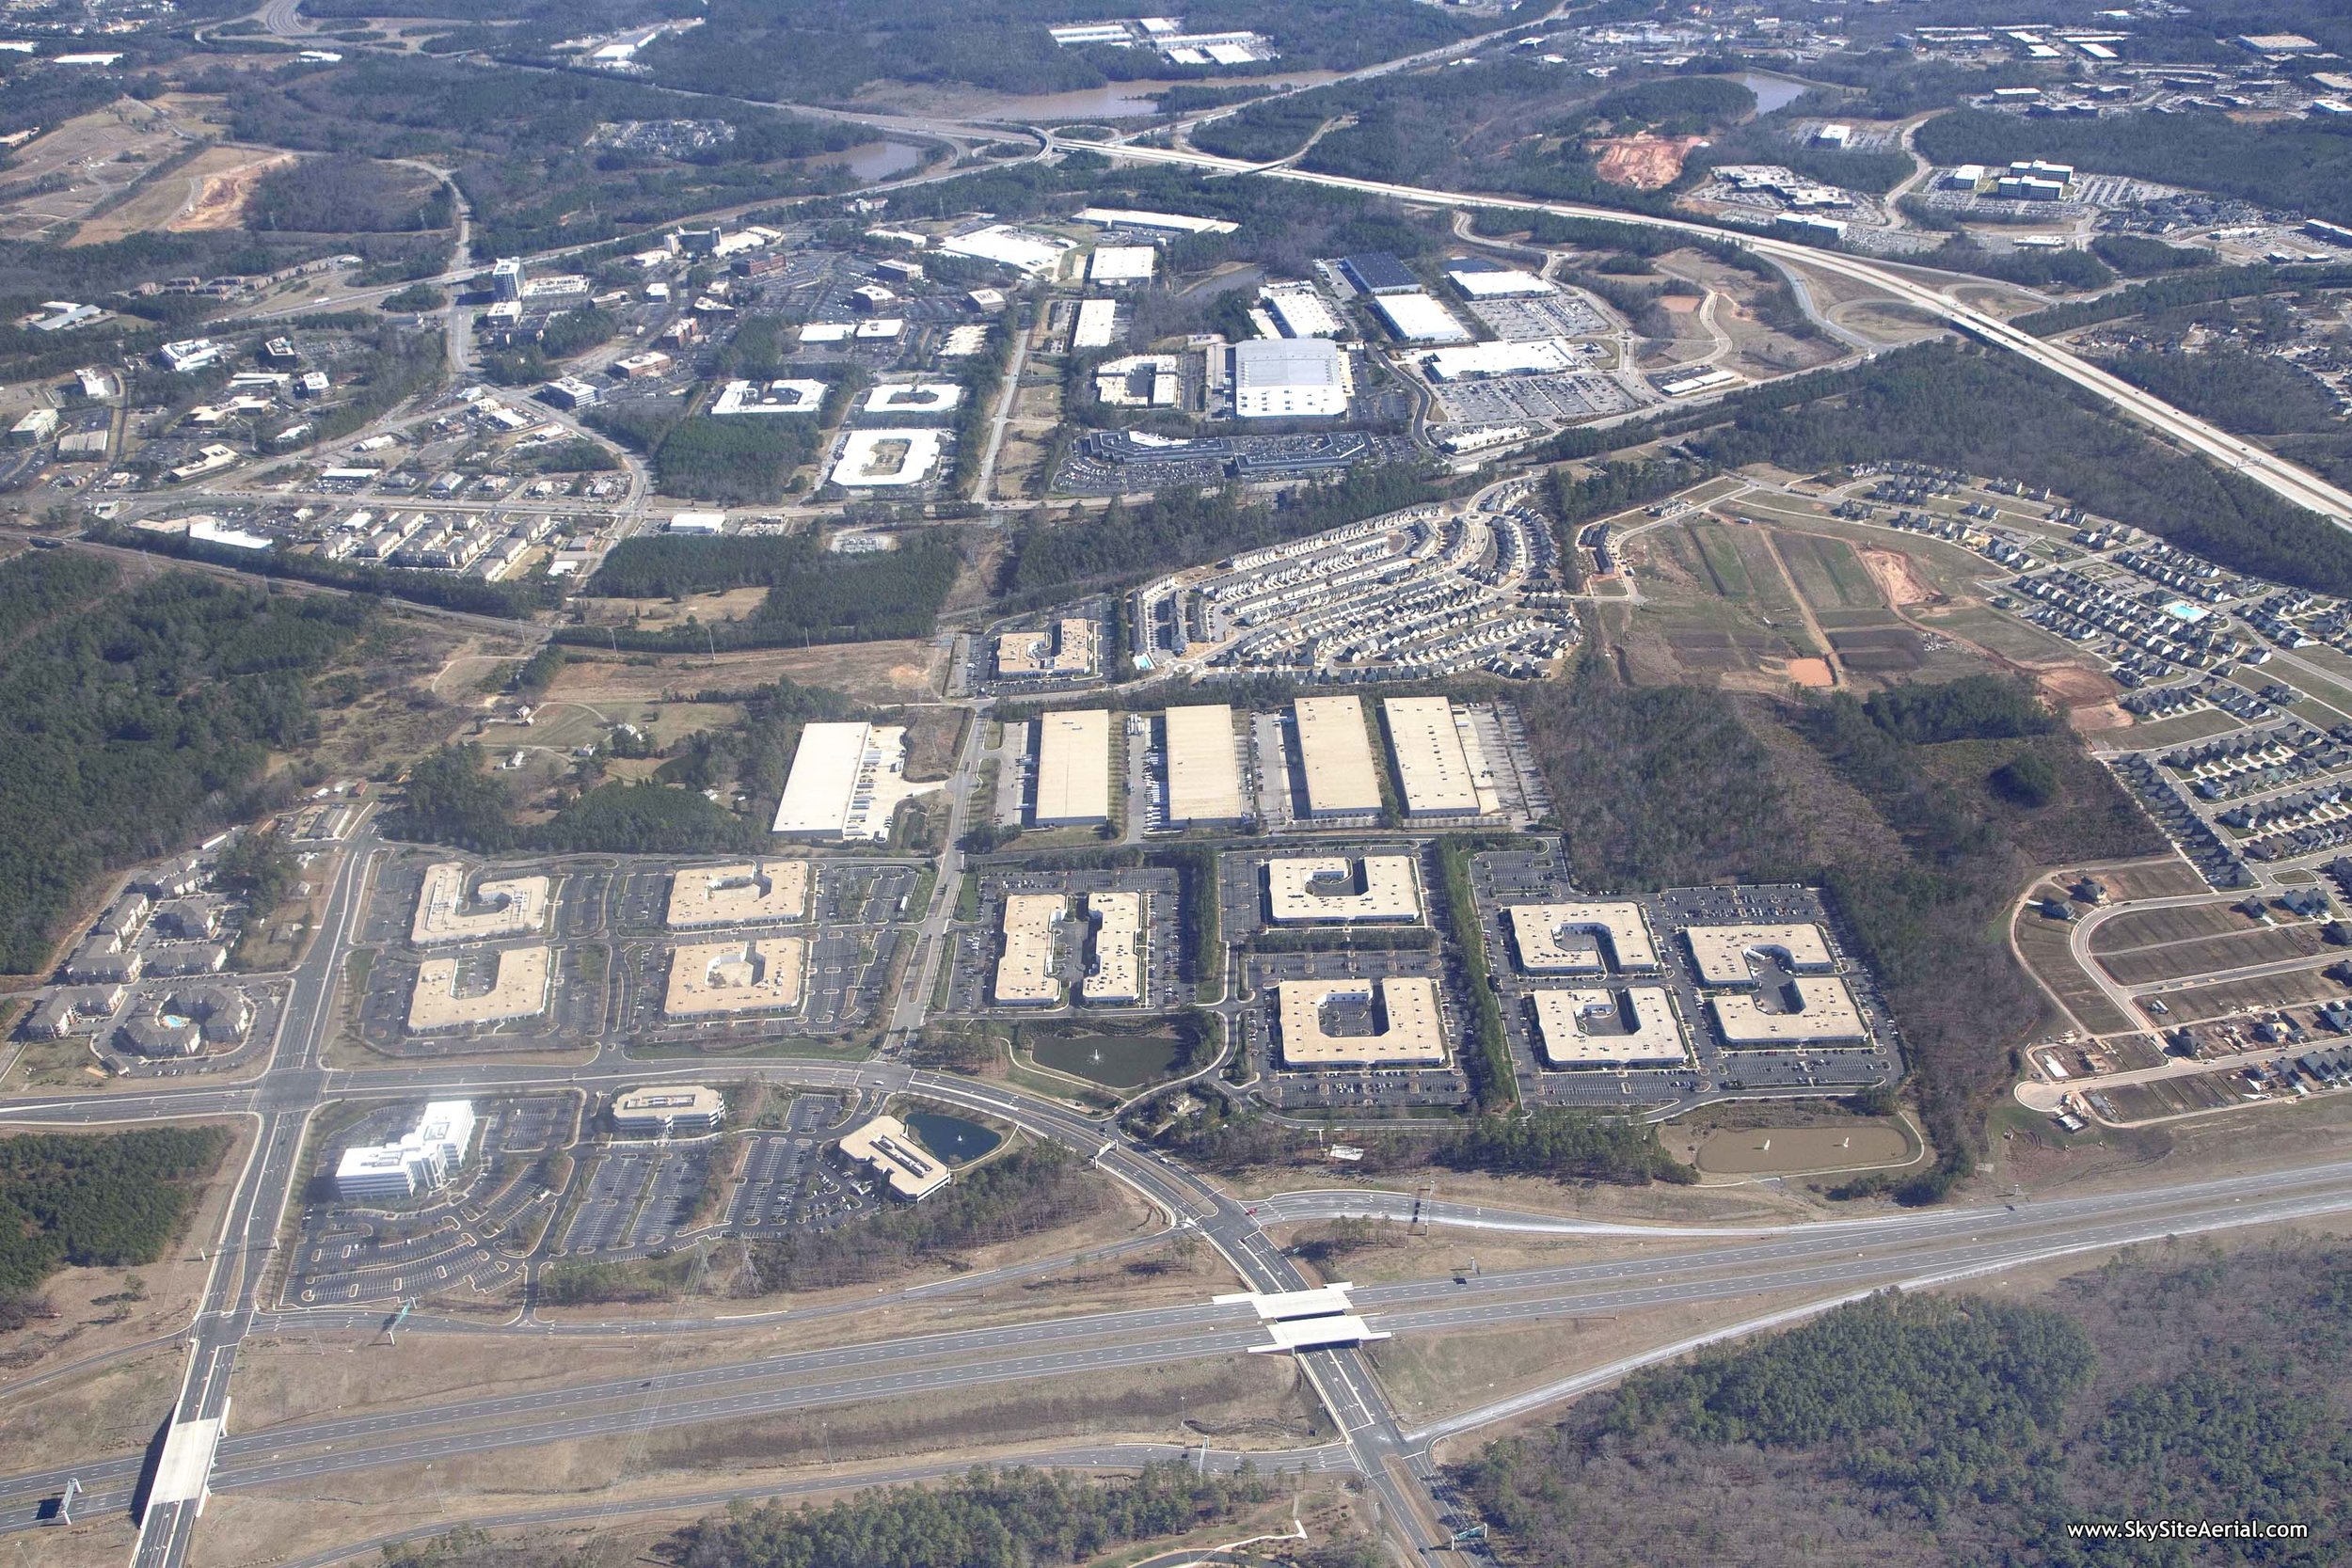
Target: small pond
952, 1139
1772, 92
1114, 1061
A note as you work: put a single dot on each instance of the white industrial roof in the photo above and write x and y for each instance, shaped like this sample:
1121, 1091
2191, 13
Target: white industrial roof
1418, 318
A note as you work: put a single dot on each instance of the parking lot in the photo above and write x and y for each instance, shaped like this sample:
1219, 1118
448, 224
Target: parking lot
1502, 877
1566, 397
1564, 314
979, 943
465, 1238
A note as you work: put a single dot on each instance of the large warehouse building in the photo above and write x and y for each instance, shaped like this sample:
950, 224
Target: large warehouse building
1203, 766
1406, 1026
1588, 1028
1289, 378
1074, 769
847, 782
1431, 760
1335, 754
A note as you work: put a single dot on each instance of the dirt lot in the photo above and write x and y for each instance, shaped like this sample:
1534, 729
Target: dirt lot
207, 193
2044, 944
1644, 162
98, 156
872, 672
2147, 927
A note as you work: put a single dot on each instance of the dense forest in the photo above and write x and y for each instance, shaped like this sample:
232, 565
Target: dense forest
1968, 409
2299, 165
814, 594
95, 1201
137, 720
2245, 393
340, 195
1918, 1431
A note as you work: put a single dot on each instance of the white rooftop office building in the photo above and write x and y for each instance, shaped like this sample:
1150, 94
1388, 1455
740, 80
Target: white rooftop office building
1296, 378
419, 1162
1418, 318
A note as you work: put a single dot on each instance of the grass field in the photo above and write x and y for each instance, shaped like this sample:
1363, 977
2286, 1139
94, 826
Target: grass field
2179, 730
1719, 558
1828, 572
2171, 878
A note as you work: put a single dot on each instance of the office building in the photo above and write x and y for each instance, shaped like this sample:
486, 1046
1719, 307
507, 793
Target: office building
421, 1161
1389, 1023
665, 1110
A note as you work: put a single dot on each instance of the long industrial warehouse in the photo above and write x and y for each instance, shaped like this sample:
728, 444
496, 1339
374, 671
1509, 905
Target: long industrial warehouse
1203, 770
1430, 758
1335, 752
1073, 767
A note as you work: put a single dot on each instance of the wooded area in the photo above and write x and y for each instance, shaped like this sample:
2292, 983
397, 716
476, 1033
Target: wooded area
1915, 1431
137, 720
814, 594
112, 1201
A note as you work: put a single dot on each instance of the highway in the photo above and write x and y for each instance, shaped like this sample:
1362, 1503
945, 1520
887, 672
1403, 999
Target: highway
1828, 1263
2286, 480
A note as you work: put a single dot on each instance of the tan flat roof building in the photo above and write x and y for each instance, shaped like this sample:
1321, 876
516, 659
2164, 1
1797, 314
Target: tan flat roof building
1408, 1027
519, 989
1116, 975
1073, 767
1204, 768
514, 906
1722, 953
751, 892
662, 1109
1066, 649
1820, 1010
1335, 754
885, 1147
1430, 758
1328, 889
1024, 976
1582, 939
1634, 1027
713, 978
